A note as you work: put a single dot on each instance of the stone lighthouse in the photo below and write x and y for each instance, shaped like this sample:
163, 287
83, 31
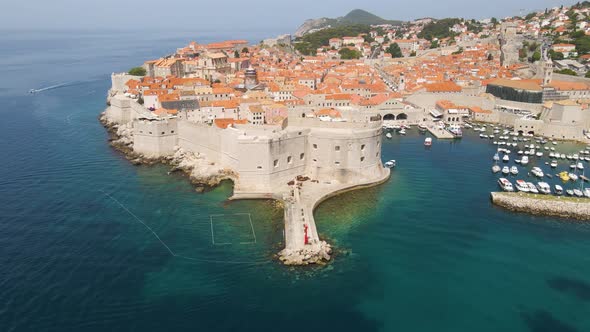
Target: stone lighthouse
250, 78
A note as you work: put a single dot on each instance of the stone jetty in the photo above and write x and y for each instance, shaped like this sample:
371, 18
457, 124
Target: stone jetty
565, 207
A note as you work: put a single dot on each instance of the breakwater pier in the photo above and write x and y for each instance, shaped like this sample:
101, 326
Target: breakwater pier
565, 207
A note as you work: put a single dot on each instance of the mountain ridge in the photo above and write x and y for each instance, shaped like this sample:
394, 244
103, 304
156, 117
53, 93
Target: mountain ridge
355, 16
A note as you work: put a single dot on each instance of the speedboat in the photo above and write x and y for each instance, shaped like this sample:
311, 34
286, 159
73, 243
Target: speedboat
422, 127
506, 158
522, 186
553, 164
402, 132
524, 161
537, 172
578, 193
505, 184
532, 188
539, 154
495, 168
513, 170
564, 176
587, 192
390, 163
569, 192
388, 135
496, 157
558, 190
427, 141
544, 188
562, 156
505, 170
580, 166
573, 176
520, 152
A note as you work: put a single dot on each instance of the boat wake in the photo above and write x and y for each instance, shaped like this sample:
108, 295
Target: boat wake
56, 86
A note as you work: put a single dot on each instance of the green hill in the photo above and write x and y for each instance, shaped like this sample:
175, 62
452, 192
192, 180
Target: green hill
359, 16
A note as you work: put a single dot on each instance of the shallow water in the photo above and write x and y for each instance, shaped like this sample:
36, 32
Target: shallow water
425, 251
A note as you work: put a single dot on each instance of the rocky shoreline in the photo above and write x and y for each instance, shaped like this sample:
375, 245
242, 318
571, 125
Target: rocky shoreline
564, 207
203, 174
315, 254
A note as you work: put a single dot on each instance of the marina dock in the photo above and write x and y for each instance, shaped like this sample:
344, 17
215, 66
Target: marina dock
439, 133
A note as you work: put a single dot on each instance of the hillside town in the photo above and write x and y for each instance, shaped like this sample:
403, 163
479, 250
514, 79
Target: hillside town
285, 119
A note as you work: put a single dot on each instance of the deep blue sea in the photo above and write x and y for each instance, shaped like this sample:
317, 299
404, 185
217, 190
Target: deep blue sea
89, 242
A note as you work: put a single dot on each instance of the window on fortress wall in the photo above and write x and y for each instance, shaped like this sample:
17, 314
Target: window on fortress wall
163, 132
259, 167
337, 148
315, 146
276, 163
302, 156
377, 154
362, 159
289, 159
150, 132
337, 163
172, 132
363, 147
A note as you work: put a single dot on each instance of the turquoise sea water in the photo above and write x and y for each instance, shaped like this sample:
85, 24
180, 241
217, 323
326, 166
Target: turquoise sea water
424, 252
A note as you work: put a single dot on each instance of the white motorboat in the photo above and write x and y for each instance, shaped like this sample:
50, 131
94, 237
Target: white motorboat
388, 135
514, 170
517, 161
573, 166
496, 157
558, 190
522, 186
544, 188
427, 141
505, 184
553, 164
562, 156
506, 158
402, 132
505, 170
524, 161
587, 192
573, 176
554, 143
539, 154
578, 193
390, 163
569, 192
537, 172
496, 169
532, 188
579, 166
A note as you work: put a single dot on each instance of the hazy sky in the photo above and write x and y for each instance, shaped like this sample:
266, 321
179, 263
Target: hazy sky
225, 15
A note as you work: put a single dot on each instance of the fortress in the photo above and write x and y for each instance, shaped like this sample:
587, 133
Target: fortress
300, 161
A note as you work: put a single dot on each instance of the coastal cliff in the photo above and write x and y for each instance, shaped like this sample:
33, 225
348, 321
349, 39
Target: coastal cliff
565, 207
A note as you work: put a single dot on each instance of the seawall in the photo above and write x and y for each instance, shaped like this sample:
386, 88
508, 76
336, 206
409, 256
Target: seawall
565, 207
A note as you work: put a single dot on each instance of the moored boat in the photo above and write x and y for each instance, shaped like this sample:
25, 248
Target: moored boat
391, 163
564, 176
427, 141
532, 188
496, 169
544, 188
514, 170
558, 190
505, 170
522, 186
505, 184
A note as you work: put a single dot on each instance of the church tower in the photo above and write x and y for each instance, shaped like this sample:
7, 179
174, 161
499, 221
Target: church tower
402, 82
547, 66
250, 78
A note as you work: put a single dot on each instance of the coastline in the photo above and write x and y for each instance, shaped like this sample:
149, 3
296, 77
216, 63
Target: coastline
564, 207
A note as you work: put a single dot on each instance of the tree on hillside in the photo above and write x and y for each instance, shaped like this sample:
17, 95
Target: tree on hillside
236, 54
394, 50
555, 55
434, 44
582, 44
490, 57
536, 56
566, 71
587, 74
137, 71
245, 50
348, 54
494, 21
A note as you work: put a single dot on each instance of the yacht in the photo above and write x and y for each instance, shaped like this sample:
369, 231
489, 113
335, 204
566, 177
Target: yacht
505, 170
496, 169
532, 188
539, 154
562, 156
456, 131
564, 176
427, 141
390, 163
506, 158
522, 186
402, 132
514, 170
587, 192
573, 166
569, 192
524, 160
422, 127
544, 188
388, 135
496, 157
578, 193
580, 166
558, 190
573, 176
505, 184
553, 163
537, 172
